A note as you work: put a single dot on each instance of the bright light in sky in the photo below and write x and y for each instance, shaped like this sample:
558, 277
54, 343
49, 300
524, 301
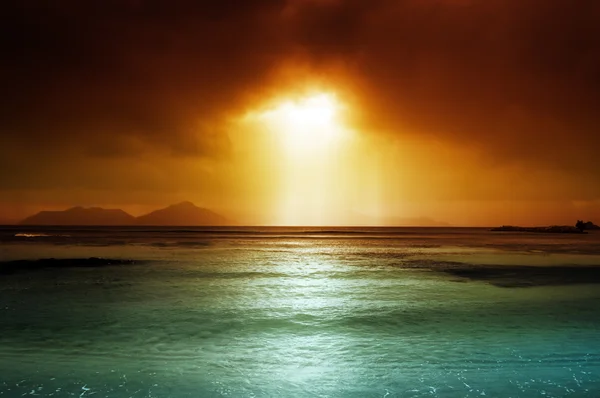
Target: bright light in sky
306, 124
310, 137
308, 150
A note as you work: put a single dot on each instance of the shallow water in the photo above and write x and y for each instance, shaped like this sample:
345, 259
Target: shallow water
291, 312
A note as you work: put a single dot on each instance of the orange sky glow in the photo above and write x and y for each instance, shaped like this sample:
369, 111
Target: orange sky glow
306, 113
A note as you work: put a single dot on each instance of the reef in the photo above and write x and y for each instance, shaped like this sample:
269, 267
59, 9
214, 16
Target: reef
528, 276
11, 267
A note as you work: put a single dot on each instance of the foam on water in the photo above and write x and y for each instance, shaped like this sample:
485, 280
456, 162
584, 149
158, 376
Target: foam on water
277, 315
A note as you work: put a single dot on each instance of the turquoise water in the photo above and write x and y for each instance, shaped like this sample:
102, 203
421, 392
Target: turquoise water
298, 313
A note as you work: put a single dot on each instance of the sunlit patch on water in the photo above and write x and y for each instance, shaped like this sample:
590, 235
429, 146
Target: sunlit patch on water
29, 235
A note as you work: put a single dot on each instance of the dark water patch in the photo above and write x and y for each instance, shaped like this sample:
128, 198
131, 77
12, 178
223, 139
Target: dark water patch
94, 243
11, 267
198, 243
433, 265
160, 244
192, 244
510, 275
590, 248
528, 276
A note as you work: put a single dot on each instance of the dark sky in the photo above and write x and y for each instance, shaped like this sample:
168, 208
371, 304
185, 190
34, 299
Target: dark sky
92, 90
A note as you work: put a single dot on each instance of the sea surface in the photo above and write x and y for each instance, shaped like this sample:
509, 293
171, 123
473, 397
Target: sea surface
298, 312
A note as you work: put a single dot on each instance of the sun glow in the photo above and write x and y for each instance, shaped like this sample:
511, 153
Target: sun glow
306, 124
309, 144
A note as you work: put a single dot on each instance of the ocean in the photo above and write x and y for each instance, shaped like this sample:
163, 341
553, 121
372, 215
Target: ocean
298, 312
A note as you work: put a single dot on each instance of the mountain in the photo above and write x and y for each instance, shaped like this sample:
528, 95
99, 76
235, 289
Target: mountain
182, 214
81, 216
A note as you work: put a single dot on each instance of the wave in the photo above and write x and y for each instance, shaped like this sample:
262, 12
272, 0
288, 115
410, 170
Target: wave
39, 235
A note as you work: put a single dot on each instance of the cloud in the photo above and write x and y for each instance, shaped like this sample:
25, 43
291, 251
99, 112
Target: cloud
515, 81
80, 74
516, 78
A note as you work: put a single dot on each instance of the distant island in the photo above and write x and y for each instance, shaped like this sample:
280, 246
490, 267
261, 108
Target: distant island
81, 216
181, 214
579, 228
586, 225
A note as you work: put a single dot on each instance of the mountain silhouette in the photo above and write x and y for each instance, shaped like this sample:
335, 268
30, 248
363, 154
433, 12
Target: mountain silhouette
81, 216
182, 214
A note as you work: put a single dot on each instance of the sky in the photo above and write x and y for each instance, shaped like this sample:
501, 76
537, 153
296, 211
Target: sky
469, 112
